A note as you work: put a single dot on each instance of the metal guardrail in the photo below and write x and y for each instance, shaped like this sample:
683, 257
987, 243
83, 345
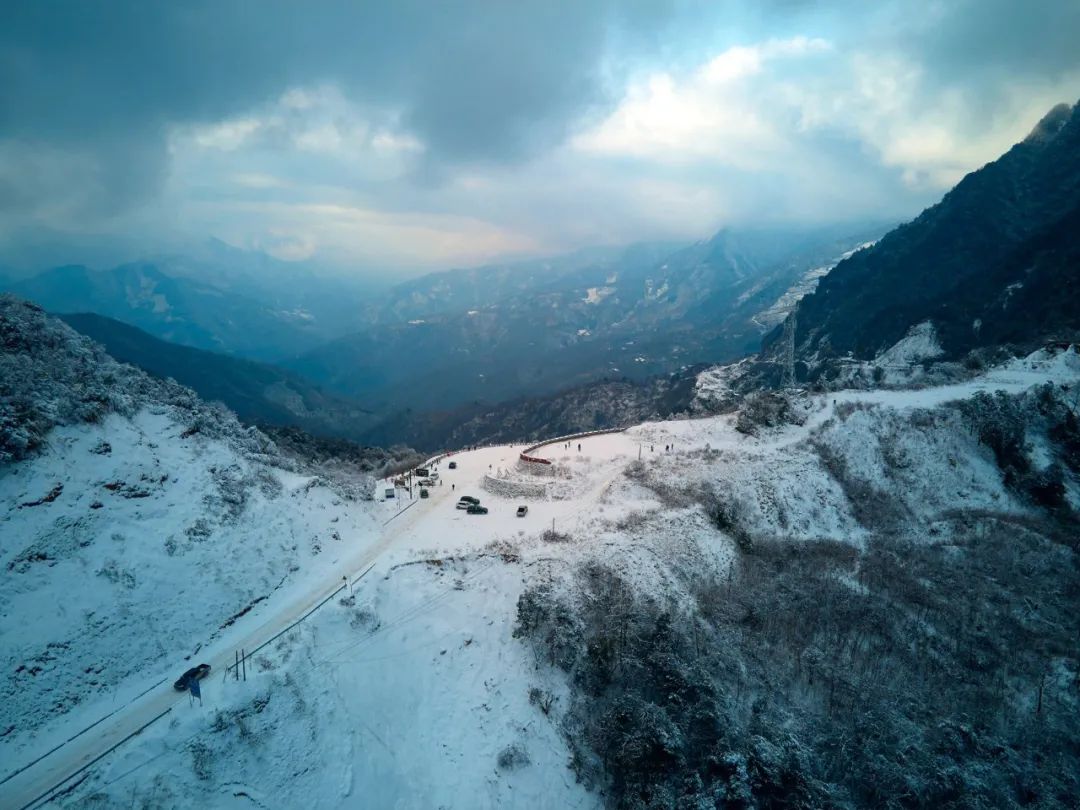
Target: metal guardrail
280, 633
78, 734
48, 793
402, 512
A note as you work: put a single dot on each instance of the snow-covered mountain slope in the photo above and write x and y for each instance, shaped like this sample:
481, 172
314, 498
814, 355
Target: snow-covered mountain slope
994, 263
137, 525
456, 674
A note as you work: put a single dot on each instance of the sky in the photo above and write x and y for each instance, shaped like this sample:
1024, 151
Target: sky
419, 135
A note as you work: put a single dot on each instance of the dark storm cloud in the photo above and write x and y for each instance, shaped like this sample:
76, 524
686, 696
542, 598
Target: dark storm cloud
982, 49
93, 94
480, 81
989, 39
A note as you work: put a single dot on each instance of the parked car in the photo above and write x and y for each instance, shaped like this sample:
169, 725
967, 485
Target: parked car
452, 465
476, 509
465, 501
193, 674
423, 492
433, 477
522, 511
427, 482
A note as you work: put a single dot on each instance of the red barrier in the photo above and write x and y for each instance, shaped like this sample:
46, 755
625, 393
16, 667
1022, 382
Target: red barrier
534, 459
572, 437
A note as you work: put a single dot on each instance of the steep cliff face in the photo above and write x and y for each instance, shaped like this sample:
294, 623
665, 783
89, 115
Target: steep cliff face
995, 262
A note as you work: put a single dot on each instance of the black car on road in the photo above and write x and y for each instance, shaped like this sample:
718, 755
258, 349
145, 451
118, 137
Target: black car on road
193, 674
476, 509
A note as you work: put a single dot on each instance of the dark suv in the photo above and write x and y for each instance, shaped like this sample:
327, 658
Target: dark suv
193, 674
476, 509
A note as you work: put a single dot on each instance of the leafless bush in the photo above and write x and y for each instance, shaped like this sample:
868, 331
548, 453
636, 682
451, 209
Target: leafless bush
1004, 423
512, 757
767, 409
552, 536
632, 521
727, 513
846, 408
202, 760
541, 699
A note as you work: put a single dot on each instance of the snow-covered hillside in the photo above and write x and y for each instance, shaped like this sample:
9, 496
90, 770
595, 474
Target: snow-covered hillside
447, 678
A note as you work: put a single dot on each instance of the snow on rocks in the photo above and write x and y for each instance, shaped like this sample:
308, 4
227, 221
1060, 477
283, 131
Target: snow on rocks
920, 343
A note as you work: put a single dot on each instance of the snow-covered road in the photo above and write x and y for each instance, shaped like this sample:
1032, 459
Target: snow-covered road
431, 525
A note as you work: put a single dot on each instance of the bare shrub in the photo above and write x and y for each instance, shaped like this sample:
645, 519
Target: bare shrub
845, 409
728, 515
767, 409
632, 521
552, 536
542, 699
512, 757
1003, 422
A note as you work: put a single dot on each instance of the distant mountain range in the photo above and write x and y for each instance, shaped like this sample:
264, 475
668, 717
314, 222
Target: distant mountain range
476, 336
180, 310
996, 262
498, 333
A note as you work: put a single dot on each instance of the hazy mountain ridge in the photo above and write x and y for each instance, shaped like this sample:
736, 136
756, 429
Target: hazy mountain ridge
173, 308
478, 337
596, 405
257, 392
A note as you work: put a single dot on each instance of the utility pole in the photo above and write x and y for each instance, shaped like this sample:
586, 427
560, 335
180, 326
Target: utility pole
243, 663
789, 347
